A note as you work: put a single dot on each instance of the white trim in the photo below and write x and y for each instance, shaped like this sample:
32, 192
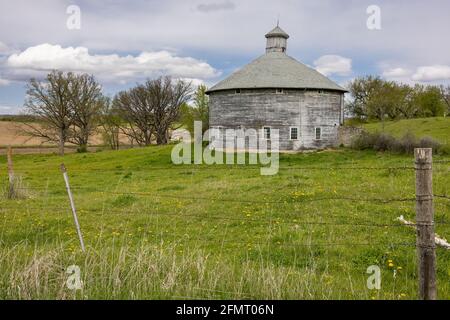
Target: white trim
315, 133
290, 133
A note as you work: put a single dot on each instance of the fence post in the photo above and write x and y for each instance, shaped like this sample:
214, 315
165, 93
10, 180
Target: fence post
72, 205
425, 224
11, 191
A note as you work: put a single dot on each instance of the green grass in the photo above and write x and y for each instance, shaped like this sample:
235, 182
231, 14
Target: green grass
437, 128
154, 230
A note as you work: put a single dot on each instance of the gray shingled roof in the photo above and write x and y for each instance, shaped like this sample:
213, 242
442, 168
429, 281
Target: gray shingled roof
276, 70
277, 31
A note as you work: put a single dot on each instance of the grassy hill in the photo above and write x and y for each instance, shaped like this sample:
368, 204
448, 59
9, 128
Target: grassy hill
156, 230
437, 128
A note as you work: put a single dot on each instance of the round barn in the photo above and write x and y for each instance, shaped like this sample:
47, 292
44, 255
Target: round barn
275, 91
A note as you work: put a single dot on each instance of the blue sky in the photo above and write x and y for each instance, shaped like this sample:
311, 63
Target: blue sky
124, 42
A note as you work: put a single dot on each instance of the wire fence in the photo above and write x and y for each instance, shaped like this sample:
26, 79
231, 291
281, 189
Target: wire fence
275, 217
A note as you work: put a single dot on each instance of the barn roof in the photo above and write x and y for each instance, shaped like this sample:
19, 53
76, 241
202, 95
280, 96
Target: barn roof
277, 31
276, 70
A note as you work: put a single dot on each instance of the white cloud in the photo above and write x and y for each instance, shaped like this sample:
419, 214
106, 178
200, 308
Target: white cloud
333, 64
432, 73
396, 73
112, 67
8, 109
3, 48
216, 6
4, 82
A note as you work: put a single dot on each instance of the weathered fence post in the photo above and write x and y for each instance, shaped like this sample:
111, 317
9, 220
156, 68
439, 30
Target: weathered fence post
425, 224
72, 205
11, 186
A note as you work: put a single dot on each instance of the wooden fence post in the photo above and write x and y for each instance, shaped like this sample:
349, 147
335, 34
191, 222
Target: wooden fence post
425, 224
11, 191
72, 205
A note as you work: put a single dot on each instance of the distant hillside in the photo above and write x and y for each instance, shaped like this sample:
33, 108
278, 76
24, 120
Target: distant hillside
17, 118
437, 128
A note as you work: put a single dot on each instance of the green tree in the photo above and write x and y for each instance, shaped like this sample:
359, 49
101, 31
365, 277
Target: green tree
428, 100
198, 112
361, 91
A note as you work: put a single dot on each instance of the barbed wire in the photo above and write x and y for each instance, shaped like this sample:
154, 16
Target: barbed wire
442, 196
272, 220
216, 167
289, 200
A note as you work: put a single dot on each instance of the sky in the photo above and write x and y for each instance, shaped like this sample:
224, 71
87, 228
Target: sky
123, 43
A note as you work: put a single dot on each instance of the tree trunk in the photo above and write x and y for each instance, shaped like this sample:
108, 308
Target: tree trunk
61, 142
161, 137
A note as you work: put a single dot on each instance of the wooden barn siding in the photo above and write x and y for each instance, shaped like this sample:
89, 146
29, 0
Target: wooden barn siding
294, 108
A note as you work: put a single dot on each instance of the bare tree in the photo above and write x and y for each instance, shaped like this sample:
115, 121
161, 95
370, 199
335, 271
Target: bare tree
136, 114
86, 100
48, 102
166, 99
149, 110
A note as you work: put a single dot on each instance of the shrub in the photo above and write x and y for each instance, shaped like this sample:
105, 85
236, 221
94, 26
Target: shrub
428, 142
384, 142
406, 145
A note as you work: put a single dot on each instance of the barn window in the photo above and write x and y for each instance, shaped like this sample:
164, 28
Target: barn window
266, 132
237, 91
318, 132
293, 135
279, 91
216, 132
321, 91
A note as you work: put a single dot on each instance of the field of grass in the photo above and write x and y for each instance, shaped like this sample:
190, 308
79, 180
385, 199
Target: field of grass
154, 230
437, 128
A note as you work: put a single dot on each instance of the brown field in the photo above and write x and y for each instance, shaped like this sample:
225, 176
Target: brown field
11, 134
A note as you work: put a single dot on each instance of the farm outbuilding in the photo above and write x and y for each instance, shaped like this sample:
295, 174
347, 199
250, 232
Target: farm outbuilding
275, 91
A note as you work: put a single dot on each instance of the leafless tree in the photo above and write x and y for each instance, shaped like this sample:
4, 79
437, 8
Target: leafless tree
135, 114
48, 101
166, 98
86, 101
149, 110
66, 106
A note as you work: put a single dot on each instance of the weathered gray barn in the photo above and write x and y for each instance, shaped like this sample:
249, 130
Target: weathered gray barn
277, 92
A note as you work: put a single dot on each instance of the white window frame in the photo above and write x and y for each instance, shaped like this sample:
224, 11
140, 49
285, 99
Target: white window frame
290, 133
264, 132
315, 133
219, 131
279, 91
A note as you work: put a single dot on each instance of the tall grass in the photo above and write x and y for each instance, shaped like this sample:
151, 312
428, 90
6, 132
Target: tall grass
161, 272
17, 191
